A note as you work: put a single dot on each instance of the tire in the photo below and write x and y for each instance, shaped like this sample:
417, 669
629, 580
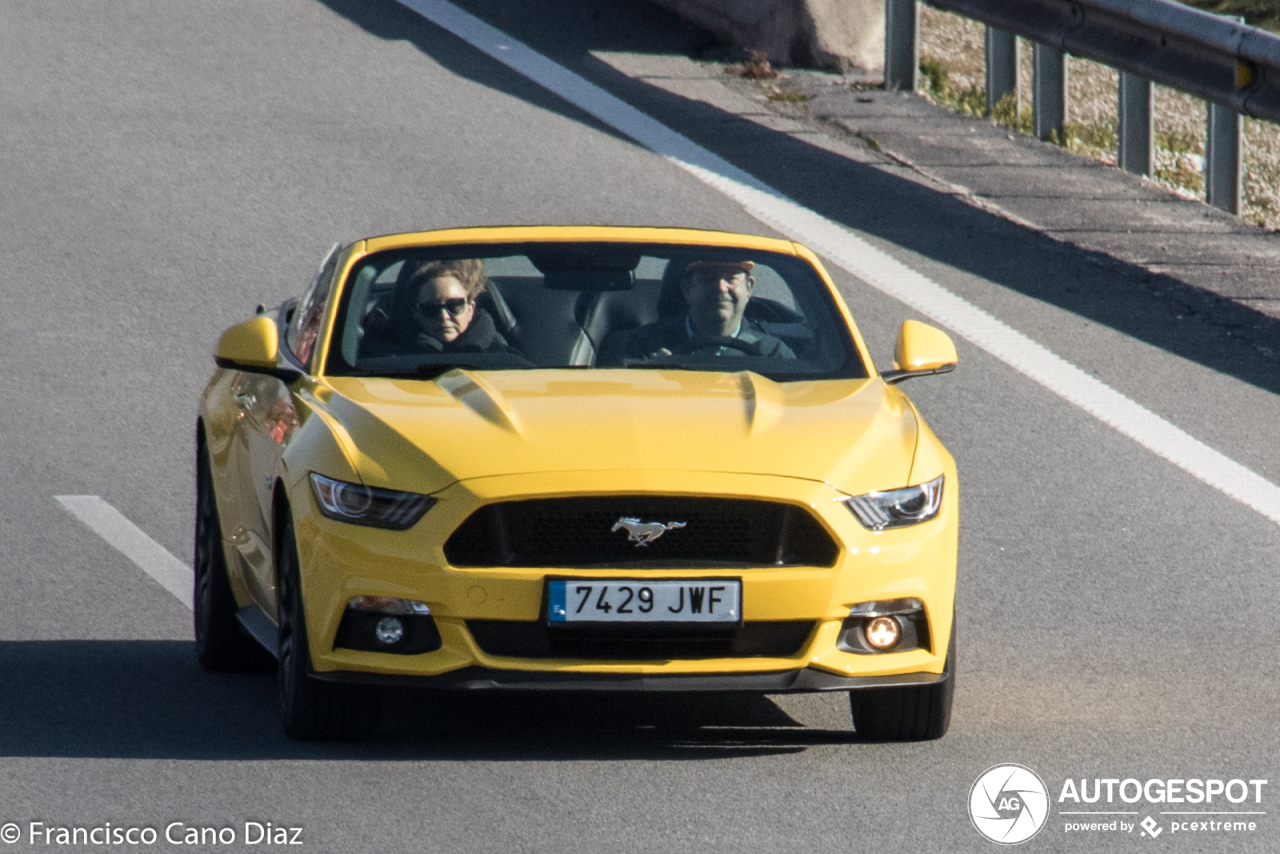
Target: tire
912, 713
221, 643
311, 709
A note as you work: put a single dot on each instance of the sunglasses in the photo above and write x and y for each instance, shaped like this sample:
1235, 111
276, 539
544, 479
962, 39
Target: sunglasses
455, 307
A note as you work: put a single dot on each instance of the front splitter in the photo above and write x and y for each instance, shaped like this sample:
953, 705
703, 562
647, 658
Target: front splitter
803, 680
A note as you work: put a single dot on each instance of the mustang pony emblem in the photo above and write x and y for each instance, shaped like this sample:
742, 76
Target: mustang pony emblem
643, 533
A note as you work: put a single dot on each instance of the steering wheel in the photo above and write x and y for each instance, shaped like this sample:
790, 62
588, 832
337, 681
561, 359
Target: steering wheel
750, 348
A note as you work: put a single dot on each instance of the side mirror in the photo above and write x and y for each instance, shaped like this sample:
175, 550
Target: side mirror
253, 346
920, 352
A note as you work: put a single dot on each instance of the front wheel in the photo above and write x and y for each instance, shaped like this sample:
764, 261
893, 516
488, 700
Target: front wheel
311, 709
909, 713
221, 644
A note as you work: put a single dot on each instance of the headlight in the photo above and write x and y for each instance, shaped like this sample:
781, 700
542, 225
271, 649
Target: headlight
368, 505
897, 507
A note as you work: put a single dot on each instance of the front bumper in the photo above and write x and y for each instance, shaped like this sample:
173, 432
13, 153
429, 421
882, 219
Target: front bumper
340, 561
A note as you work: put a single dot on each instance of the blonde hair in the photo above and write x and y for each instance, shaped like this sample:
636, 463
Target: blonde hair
468, 271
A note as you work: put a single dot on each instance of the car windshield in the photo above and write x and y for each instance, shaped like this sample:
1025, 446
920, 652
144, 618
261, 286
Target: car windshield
420, 312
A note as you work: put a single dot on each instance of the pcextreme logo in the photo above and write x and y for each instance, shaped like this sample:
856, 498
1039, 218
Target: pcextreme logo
1009, 804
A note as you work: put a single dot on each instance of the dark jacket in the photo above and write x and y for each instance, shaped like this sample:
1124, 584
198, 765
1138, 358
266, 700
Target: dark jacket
407, 338
672, 334
480, 336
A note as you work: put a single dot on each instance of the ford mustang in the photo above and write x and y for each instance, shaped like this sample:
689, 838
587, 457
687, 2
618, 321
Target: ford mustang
575, 458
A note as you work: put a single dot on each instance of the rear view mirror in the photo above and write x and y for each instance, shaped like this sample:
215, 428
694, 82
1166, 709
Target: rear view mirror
921, 351
570, 270
253, 346
589, 280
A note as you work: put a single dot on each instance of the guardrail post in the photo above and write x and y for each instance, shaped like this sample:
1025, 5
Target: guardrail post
901, 44
1049, 82
1002, 67
1135, 124
1222, 158
1223, 152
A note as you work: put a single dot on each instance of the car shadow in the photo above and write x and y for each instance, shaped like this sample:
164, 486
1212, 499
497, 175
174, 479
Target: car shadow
151, 700
1159, 309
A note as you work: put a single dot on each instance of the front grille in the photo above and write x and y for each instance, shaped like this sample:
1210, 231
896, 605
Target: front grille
773, 639
585, 532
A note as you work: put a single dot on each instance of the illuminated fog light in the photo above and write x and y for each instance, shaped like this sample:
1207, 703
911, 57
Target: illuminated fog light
389, 630
883, 633
388, 605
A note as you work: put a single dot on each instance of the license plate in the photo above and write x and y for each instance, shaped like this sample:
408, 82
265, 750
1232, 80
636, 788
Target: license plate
622, 600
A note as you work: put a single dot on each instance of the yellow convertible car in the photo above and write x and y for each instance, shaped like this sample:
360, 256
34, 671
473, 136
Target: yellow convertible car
575, 458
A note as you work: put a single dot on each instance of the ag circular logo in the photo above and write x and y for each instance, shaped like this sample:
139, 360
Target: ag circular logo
1008, 804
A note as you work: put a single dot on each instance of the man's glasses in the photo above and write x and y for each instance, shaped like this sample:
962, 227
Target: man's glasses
455, 307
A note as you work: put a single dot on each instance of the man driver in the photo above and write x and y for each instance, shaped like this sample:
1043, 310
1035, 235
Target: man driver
717, 293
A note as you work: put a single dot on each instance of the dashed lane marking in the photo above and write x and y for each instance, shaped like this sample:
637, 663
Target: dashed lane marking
131, 541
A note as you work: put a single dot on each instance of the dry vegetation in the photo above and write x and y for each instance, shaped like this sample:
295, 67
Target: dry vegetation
1257, 13
951, 50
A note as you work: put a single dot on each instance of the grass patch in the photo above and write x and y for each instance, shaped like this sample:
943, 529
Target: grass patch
1181, 176
1102, 137
1007, 113
936, 79
936, 75
972, 100
1179, 142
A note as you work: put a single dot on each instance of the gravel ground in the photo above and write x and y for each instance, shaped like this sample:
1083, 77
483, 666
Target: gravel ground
951, 50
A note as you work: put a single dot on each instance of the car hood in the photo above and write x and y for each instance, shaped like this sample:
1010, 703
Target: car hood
856, 435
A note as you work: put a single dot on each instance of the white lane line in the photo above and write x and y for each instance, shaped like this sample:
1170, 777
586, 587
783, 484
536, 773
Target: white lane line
131, 541
871, 265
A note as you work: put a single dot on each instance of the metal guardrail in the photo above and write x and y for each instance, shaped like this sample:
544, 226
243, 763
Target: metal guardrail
1234, 67
1205, 55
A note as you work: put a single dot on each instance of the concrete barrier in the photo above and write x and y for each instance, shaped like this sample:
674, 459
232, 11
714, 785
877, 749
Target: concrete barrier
832, 34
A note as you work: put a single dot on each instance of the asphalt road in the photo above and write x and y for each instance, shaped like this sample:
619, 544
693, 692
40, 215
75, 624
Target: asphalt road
166, 166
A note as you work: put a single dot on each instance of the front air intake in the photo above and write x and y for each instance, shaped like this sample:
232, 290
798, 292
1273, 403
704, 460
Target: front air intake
640, 532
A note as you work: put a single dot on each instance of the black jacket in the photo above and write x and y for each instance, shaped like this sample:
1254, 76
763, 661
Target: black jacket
480, 336
407, 338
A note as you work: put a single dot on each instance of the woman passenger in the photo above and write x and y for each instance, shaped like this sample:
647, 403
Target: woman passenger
436, 310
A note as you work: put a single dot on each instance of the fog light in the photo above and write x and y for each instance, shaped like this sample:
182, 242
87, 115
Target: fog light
883, 633
885, 625
387, 625
389, 630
